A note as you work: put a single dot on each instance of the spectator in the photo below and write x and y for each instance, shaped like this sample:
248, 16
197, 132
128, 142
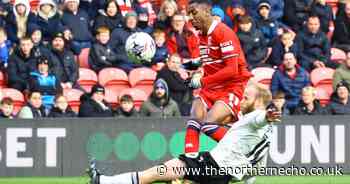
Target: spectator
277, 7
296, 12
341, 36
19, 20
143, 21
342, 73
279, 100
284, 44
181, 40
101, 54
94, 105
67, 71
147, 6
125, 6
315, 49
159, 104
220, 16
126, 108
39, 48
309, 105
110, 17
44, 82
4, 49
166, 12
21, 63
321, 9
119, 37
340, 103
34, 108
161, 54
7, 108
78, 22
235, 12
268, 25
178, 90
290, 78
48, 19
252, 41
61, 108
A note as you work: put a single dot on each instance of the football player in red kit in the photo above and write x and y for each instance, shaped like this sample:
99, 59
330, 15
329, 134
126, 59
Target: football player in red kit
222, 80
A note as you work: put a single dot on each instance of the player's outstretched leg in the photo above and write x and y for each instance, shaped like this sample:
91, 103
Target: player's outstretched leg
213, 130
192, 137
158, 173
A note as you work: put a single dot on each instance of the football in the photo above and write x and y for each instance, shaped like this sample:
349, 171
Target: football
140, 48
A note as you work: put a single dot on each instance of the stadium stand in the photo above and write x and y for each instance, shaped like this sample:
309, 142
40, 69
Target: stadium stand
263, 75
87, 78
16, 96
73, 98
143, 79
323, 95
2, 80
114, 79
83, 58
337, 55
322, 78
111, 97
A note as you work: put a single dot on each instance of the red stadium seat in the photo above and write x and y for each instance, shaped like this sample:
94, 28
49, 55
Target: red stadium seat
73, 98
111, 97
139, 96
83, 58
323, 95
87, 78
16, 96
338, 55
323, 78
2, 80
263, 75
142, 78
114, 78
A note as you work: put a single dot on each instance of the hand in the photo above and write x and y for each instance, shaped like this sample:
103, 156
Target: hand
273, 116
69, 85
196, 81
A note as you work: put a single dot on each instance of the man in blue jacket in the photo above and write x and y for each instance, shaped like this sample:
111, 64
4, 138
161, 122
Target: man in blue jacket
290, 78
78, 22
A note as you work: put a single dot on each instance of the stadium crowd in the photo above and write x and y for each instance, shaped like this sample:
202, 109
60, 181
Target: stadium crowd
300, 48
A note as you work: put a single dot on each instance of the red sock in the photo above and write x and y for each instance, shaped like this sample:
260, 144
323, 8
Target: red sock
192, 136
219, 133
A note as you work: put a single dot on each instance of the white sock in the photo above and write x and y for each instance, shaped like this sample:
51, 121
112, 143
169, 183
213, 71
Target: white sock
250, 180
126, 178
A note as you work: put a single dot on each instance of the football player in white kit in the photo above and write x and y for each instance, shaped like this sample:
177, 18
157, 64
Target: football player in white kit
245, 145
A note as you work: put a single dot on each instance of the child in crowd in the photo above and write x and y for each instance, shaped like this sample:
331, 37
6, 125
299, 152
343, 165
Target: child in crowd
6, 110
161, 52
127, 107
102, 55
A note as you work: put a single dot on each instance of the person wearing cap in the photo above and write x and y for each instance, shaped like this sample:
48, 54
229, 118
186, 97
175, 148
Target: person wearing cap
78, 22
48, 19
143, 21
67, 68
159, 104
269, 26
253, 42
18, 21
45, 82
342, 73
118, 41
94, 105
277, 8
340, 103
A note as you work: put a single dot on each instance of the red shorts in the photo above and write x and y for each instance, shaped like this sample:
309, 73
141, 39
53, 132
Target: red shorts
230, 100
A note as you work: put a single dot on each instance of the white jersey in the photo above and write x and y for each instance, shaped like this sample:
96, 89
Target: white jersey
245, 144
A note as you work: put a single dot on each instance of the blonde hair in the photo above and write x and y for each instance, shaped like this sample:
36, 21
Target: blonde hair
309, 89
262, 93
171, 3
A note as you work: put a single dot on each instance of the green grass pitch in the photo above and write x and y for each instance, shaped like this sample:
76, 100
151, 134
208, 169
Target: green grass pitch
260, 180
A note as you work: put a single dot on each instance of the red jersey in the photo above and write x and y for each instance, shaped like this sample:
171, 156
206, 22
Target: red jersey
224, 63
